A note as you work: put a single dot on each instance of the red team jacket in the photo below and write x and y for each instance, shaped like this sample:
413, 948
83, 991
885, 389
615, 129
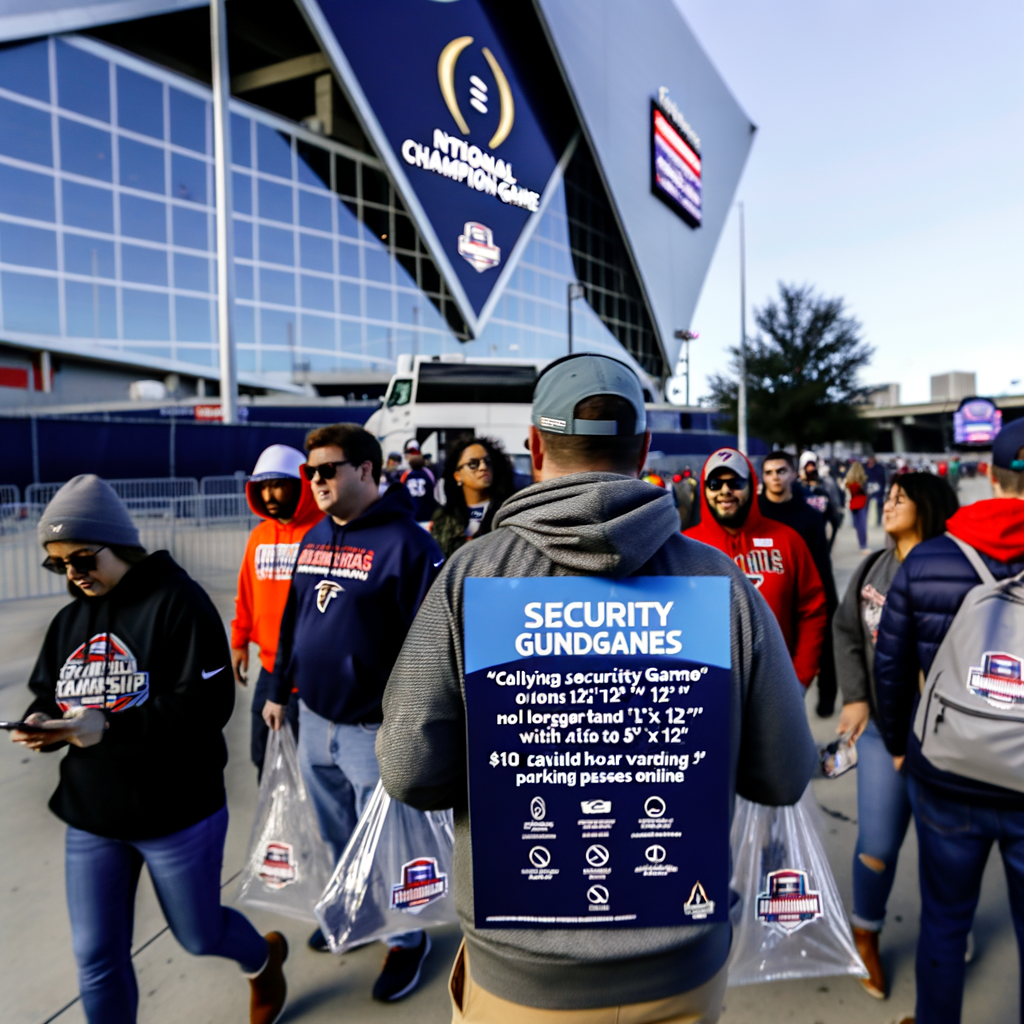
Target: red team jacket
266, 572
778, 562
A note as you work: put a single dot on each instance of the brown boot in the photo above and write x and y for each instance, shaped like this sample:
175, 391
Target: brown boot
269, 990
867, 946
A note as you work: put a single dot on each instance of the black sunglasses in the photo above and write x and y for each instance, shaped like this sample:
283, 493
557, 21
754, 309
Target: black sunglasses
81, 562
474, 464
327, 470
734, 483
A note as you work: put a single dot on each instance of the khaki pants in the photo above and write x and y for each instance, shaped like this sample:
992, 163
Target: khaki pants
473, 1005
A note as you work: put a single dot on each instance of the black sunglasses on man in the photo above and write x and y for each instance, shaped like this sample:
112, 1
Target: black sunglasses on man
734, 483
327, 470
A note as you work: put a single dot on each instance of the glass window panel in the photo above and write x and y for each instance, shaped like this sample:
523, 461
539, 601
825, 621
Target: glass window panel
243, 281
241, 193
25, 133
142, 166
375, 186
405, 271
410, 308
275, 201
350, 299
277, 327
348, 259
319, 363
314, 164
26, 194
351, 335
190, 228
142, 265
88, 207
191, 319
140, 103
142, 218
378, 264
247, 358
188, 178
146, 315
30, 303
149, 351
188, 121
85, 150
314, 211
378, 341
378, 303
376, 224
26, 70
274, 151
345, 171
83, 82
245, 329
91, 310
277, 286
276, 360
192, 354
241, 141
191, 272
318, 293
316, 253
277, 246
317, 332
348, 223
28, 247
79, 258
243, 239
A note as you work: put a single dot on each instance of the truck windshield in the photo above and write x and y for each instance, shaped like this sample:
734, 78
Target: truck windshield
401, 392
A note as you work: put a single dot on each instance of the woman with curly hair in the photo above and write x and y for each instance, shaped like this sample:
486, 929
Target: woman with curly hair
477, 479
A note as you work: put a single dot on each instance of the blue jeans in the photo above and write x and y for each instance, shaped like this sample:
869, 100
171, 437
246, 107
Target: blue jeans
102, 876
339, 767
883, 814
860, 523
954, 840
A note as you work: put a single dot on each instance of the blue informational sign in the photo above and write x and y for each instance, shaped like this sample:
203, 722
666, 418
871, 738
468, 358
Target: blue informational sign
598, 729
460, 126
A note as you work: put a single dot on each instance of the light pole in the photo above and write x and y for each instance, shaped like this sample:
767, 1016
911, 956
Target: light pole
741, 400
687, 336
573, 291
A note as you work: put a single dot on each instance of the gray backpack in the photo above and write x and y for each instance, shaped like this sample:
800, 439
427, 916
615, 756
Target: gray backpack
970, 719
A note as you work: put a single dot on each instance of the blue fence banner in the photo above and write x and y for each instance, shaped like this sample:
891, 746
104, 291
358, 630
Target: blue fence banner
598, 725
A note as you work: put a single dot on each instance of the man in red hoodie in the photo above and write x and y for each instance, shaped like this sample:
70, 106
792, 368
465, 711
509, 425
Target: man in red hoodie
772, 554
276, 494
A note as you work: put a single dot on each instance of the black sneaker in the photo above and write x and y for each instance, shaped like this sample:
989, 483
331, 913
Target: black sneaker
401, 971
318, 942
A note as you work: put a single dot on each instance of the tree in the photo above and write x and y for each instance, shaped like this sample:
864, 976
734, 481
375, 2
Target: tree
802, 370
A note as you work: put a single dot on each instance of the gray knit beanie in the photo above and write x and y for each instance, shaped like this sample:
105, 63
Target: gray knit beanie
87, 509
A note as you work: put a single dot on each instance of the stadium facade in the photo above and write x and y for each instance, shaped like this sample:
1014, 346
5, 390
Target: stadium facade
408, 176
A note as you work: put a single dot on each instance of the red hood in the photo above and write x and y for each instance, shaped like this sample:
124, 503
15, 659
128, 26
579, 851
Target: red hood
710, 531
995, 527
306, 514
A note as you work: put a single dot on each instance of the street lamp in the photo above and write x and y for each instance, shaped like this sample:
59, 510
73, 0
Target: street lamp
573, 291
687, 336
741, 397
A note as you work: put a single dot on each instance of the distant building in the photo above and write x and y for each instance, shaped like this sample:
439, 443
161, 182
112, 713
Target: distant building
951, 387
884, 396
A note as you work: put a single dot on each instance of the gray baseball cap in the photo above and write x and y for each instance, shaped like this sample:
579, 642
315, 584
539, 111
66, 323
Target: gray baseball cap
569, 380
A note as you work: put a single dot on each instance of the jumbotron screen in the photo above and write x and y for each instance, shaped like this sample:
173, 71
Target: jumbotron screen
675, 167
977, 421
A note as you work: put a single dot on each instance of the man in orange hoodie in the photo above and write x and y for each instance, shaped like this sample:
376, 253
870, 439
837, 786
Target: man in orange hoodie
772, 554
277, 494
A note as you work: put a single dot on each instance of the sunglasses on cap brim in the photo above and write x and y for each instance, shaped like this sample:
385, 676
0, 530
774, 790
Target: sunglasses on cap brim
734, 483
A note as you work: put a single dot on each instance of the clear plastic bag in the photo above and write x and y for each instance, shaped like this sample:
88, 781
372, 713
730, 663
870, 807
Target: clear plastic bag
288, 863
394, 875
789, 921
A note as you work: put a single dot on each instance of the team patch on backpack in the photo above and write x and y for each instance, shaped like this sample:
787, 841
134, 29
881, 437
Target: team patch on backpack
997, 679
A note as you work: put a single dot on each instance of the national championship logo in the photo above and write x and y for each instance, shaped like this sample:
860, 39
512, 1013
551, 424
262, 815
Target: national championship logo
997, 680
788, 901
278, 866
102, 673
421, 885
476, 246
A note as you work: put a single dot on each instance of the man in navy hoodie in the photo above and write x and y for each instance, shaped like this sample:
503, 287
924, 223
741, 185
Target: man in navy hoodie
957, 818
359, 579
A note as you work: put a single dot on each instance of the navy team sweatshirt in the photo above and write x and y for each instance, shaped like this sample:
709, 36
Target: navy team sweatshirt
355, 591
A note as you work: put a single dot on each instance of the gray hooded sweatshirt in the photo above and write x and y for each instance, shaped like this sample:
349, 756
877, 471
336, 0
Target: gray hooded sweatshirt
578, 525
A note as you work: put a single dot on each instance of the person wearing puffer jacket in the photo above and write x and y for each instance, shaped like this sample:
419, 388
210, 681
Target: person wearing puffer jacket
957, 818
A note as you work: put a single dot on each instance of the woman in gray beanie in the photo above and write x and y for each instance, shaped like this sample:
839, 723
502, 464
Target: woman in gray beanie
134, 676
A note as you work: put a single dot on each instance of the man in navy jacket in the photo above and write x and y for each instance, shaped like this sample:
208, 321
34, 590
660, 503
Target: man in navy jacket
359, 579
957, 818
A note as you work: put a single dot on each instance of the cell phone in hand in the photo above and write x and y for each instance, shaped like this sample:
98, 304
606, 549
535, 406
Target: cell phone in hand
24, 726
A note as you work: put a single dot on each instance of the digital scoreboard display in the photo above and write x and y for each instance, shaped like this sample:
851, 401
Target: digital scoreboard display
977, 421
675, 167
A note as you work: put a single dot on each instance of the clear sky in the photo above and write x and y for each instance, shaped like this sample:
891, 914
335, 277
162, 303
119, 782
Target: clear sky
888, 168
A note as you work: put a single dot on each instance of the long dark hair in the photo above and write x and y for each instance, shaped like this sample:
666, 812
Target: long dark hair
502, 485
934, 498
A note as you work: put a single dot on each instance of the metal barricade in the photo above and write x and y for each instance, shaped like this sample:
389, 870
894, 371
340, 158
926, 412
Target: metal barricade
155, 494
9, 494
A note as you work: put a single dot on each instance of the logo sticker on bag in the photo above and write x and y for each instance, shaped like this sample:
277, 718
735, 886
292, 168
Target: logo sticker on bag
997, 679
421, 885
279, 867
788, 901
698, 906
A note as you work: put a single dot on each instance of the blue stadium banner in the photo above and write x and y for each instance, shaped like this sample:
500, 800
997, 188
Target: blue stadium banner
598, 729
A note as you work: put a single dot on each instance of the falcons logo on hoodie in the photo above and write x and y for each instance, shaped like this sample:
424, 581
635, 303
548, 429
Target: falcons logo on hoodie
326, 590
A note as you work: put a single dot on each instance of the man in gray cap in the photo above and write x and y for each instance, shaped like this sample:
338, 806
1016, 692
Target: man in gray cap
586, 522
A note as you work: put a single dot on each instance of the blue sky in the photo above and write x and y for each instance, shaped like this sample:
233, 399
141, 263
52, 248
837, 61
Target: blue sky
888, 168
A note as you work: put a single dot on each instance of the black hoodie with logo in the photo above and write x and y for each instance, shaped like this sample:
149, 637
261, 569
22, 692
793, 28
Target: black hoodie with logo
152, 655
